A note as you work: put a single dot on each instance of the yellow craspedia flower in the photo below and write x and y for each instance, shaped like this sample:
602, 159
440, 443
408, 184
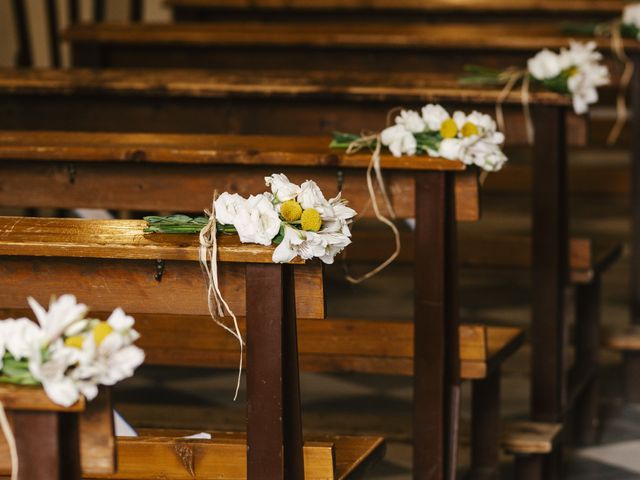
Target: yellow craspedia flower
74, 342
291, 210
448, 128
469, 129
311, 221
100, 332
571, 71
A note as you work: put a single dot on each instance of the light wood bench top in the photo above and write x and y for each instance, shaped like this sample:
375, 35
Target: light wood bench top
627, 339
199, 149
399, 87
506, 36
530, 437
578, 6
15, 397
51, 237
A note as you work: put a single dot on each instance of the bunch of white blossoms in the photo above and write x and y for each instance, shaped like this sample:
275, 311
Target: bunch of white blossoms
68, 354
296, 217
472, 139
576, 70
631, 19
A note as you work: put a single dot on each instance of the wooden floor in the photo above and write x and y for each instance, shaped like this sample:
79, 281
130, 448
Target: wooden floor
365, 404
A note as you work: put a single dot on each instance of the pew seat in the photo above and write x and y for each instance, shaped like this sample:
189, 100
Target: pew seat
164, 453
533, 444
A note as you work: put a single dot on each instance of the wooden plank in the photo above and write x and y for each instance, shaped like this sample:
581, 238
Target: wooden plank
66, 237
578, 6
508, 36
300, 151
97, 434
15, 397
149, 186
106, 283
530, 437
627, 339
210, 83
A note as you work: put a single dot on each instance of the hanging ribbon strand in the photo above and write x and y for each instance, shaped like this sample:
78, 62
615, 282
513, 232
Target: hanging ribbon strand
514, 76
11, 442
622, 114
218, 307
366, 141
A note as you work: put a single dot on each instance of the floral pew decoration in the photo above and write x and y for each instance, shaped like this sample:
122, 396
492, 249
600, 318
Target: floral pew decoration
67, 353
472, 139
626, 26
296, 218
577, 71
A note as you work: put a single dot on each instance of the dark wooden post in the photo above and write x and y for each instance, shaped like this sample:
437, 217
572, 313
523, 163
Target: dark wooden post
485, 426
274, 427
74, 11
135, 10
587, 344
436, 361
52, 27
99, 10
632, 359
550, 262
47, 444
23, 55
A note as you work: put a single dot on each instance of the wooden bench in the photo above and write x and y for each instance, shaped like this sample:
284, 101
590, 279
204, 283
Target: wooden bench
533, 444
111, 263
57, 443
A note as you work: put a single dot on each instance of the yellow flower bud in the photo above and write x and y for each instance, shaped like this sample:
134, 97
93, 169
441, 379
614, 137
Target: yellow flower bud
291, 210
448, 129
311, 221
101, 331
571, 71
469, 129
74, 342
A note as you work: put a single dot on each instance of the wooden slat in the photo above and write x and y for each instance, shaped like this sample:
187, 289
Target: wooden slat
530, 437
367, 346
509, 35
15, 397
210, 83
106, 283
278, 151
100, 178
497, 6
65, 237
98, 444
627, 339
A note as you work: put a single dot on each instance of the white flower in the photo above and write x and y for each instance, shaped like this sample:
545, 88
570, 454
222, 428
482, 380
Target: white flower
257, 221
340, 217
62, 313
583, 86
580, 55
21, 337
399, 140
411, 120
485, 155
281, 187
122, 325
460, 118
451, 148
485, 123
308, 245
311, 196
433, 116
51, 373
546, 64
631, 15
227, 207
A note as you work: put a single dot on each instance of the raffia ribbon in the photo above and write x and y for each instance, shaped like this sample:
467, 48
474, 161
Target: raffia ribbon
513, 77
622, 114
374, 167
11, 442
208, 253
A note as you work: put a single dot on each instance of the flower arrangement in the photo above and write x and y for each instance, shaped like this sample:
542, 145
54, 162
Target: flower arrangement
576, 71
472, 139
297, 218
628, 25
66, 352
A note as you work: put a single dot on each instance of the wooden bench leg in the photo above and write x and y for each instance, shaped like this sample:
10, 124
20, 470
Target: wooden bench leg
632, 360
587, 343
436, 359
550, 263
485, 427
47, 444
274, 427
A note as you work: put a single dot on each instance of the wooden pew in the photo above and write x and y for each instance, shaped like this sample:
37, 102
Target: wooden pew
39, 162
57, 443
111, 263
